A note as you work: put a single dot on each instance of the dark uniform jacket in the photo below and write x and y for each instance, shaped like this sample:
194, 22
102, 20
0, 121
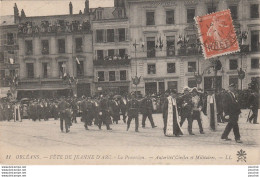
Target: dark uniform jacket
186, 105
147, 106
133, 108
253, 101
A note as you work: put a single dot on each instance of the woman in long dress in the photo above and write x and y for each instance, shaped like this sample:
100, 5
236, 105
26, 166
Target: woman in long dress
171, 116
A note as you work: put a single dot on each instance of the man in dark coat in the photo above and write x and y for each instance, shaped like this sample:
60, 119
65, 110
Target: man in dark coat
74, 107
231, 109
133, 109
86, 106
186, 109
104, 114
147, 110
254, 105
64, 112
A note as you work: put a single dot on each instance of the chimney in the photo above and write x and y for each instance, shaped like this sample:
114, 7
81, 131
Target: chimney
22, 14
16, 13
71, 8
86, 10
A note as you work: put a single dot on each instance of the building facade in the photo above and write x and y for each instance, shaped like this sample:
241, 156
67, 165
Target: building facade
111, 50
102, 49
56, 55
9, 64
169, 53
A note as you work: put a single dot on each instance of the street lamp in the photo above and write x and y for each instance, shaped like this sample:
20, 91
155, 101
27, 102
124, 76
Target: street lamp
136, 79
242, 37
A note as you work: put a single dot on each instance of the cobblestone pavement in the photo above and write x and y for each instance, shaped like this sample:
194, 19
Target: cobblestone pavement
34, 135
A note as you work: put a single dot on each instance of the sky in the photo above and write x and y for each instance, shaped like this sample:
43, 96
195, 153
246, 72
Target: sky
49, 7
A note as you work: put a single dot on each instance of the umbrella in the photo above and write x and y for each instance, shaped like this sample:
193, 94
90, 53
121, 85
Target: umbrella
117, 96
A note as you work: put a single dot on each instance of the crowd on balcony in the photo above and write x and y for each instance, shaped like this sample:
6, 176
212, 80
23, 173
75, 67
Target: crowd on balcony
61, 26
114, 57
189, 45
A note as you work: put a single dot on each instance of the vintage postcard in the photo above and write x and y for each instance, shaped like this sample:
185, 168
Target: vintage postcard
130, 82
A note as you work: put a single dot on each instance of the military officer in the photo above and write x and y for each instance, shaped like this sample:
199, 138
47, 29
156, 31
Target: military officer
147, 110
64, 112
133, 109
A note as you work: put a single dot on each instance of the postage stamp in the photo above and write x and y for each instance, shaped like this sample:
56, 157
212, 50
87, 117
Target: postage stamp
217, 34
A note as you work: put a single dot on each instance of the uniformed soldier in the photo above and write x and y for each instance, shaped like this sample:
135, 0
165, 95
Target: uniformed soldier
8, 111
254, 105
86, 106
133, 109
74, 107
147, 110
64, 112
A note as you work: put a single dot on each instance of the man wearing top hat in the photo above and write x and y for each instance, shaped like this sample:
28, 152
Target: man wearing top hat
232, 110
186, 109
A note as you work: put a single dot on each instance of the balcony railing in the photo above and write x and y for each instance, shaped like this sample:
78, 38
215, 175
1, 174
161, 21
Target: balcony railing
45, 28
183, 51
114, 61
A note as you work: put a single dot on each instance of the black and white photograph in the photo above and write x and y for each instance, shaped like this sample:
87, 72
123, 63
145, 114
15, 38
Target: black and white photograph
129, 82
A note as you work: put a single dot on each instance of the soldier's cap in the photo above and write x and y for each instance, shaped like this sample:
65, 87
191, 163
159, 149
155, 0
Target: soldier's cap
232, 85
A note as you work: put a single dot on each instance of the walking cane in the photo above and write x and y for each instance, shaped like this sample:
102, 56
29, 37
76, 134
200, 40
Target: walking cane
248, 115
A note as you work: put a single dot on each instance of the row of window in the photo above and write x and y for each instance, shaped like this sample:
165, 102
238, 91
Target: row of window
150, 15
45, 47
151, 69
111, 35
192, 66
111, 76
61, 67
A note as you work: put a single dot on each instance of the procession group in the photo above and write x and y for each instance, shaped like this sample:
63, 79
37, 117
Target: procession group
107, 109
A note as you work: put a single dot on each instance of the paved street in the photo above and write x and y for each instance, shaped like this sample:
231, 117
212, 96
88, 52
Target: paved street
35, 134
38, 137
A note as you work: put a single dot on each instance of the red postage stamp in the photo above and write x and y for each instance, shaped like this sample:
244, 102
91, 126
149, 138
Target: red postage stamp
217, 34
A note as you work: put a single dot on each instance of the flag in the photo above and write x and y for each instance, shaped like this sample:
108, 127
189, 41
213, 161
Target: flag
179, 40
11, 60
77, 60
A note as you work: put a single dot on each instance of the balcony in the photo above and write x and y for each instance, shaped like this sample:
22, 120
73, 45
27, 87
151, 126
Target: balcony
113, 61
187, 51
27, 29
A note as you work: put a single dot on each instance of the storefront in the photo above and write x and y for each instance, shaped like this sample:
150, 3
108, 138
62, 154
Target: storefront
121, 88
